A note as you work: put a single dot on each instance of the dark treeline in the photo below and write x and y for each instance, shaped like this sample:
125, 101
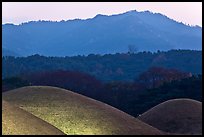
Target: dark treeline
106, 68
137, 102
147, 90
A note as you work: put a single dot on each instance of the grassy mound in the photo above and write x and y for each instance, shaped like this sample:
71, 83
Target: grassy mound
76, 114
16, 121
177, 116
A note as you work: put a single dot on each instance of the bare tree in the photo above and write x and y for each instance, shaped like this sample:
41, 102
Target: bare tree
132, 49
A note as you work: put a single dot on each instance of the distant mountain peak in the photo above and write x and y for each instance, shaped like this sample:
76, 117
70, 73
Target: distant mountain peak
100, 15
101, 34
130, 12
9, 24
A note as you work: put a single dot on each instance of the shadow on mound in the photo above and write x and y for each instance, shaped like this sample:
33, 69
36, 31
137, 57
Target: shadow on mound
16, 121
176, 116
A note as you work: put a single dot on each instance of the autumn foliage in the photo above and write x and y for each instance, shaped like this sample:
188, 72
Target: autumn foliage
156, 76
72, 80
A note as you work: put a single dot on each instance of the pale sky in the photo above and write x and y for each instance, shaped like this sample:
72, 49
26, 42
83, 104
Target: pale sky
18, 12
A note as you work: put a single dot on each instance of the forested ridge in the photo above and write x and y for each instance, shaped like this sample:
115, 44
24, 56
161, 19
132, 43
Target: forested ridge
108, 67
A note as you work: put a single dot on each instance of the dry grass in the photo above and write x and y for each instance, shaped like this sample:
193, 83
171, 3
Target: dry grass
176, 116
16, 121
76, 114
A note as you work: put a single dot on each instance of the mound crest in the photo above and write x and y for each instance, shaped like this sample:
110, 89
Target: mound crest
176, 116
76, 114
16, 121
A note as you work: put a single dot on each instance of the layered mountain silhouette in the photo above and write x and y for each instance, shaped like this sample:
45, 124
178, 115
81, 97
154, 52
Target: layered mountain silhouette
145, 31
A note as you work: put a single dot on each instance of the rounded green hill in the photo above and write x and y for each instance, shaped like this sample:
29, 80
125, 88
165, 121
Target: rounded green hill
76, 114
16, 121
176, 116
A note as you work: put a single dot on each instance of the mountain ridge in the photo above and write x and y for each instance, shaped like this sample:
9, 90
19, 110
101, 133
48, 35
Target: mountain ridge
130, 11
101, 34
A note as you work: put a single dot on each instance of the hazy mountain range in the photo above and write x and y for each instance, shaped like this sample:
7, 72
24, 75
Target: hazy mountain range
146, 31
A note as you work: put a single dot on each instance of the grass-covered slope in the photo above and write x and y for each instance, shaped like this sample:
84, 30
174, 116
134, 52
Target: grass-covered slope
177, 116
76, 114
16, 121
